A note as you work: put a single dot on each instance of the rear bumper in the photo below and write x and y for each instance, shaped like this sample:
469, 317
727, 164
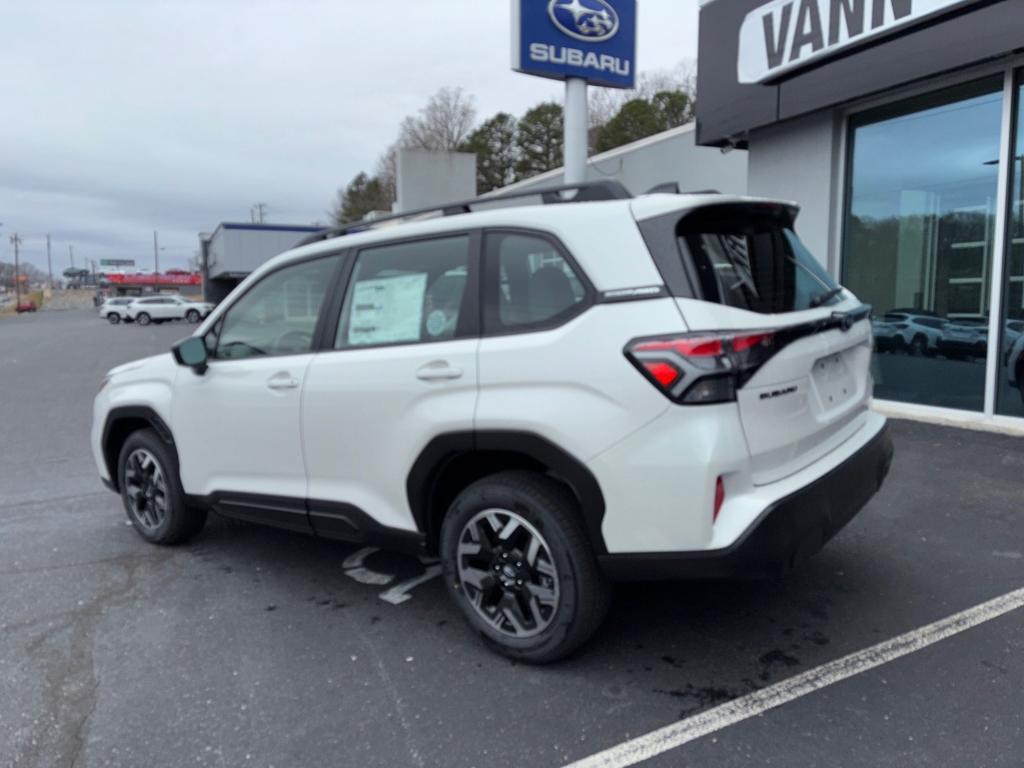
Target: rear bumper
786, 533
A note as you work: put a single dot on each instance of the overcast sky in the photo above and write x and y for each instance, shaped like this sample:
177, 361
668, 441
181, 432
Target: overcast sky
121, 117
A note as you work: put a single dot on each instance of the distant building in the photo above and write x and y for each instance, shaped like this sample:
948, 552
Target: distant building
234, 251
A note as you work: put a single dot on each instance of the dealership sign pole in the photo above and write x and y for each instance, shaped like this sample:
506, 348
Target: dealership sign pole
581, 42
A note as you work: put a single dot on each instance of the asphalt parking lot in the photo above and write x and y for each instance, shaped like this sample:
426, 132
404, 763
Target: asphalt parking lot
258, 647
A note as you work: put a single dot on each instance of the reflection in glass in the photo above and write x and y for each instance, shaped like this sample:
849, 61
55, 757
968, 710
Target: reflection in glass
1010, 378
918, 240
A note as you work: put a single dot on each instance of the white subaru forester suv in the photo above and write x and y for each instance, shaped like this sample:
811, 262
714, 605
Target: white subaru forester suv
548, 397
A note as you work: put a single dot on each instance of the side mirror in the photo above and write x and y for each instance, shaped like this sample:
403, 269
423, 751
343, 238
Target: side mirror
191, 353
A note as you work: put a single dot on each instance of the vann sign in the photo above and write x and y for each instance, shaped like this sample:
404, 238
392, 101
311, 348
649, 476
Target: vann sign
784, 35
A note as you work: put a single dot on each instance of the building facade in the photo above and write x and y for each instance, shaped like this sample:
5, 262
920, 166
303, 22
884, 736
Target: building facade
897, 125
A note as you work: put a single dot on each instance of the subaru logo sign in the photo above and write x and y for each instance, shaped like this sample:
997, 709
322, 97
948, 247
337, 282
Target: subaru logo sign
592, 40
592, 21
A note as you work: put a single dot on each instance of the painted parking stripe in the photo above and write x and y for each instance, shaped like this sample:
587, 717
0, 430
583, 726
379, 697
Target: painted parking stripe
684, 731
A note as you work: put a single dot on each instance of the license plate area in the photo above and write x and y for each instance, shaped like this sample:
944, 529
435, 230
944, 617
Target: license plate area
834, 382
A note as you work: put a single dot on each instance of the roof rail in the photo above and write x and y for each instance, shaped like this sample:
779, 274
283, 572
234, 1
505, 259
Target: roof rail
586, 192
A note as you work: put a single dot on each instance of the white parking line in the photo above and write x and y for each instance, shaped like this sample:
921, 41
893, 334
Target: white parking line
679, 733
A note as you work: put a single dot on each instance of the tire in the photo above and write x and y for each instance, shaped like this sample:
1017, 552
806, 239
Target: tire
147, 471
563, 571
918, 346
192, 316
113, 318
143, 318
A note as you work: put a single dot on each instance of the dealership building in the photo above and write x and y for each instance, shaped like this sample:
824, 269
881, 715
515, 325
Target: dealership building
897, 126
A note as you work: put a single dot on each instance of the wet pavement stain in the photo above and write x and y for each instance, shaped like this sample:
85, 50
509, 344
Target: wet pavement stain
773, 660
698, 698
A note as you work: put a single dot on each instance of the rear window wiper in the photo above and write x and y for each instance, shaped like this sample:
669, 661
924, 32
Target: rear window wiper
826, 297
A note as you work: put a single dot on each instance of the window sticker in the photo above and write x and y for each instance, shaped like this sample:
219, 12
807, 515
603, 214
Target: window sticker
387, 310
437, 323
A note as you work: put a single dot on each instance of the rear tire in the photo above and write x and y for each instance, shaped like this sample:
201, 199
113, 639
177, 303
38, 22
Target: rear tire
519, 566
918, 346
151, 491
113, 318
143, 318
192, 316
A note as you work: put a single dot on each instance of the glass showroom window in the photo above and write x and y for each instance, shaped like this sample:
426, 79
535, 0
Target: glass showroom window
1010, 377
920, 218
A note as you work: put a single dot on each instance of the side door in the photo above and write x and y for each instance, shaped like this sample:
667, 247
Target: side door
402, 369
165, 308
237, 426
175, 308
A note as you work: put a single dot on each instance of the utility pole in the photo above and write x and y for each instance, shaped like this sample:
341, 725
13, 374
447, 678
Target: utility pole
258, 213
17, 281
49, 262
156, 258
71, 255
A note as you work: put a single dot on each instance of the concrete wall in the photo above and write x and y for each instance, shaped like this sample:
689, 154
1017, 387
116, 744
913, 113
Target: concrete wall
799, 161
665, 157
431, 178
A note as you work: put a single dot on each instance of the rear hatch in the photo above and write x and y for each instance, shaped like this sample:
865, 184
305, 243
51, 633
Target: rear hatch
738, 271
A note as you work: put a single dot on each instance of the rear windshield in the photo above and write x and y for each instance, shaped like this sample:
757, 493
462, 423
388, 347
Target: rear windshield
750, 258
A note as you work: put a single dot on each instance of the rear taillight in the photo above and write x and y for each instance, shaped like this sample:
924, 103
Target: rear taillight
701, 368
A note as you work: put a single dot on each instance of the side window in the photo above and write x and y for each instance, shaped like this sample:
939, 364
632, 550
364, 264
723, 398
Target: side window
536, 285
406, 293
278, 315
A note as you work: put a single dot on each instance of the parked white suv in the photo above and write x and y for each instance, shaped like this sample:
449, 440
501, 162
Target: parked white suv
547, 397
115, 310
159, 309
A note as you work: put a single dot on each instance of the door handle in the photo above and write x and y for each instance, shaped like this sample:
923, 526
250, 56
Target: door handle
282, 380
439, 370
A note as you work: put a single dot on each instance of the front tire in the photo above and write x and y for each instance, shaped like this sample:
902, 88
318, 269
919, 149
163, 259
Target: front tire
151, 491
518, 565
113, 318
192, 316
143, 318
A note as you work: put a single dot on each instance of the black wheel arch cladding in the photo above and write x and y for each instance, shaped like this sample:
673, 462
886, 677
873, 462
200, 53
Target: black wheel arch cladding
122, 422
470, 455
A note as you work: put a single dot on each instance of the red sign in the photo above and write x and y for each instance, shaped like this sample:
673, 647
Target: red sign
186, 279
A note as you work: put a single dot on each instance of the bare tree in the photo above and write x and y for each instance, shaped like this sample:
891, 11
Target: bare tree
387, 171
606, 103
443, 125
